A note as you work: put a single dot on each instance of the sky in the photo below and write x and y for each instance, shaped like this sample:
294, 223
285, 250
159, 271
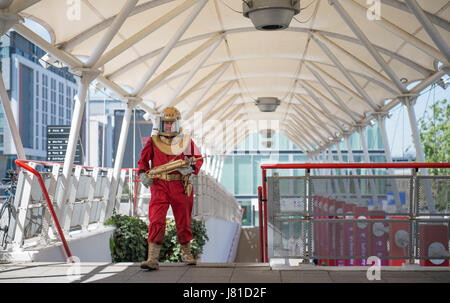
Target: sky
397, 126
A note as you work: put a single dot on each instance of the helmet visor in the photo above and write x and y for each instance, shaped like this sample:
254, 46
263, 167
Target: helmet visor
169, 127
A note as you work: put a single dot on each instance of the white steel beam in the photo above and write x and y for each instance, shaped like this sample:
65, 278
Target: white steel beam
316, 118
333, 94
297, 125
228, 128
367, 160
364, 66
307, 122
117, 50
429, 28
19, 5
420, 155
223, 109
112, 203
139, 89
329, 101
308, 88
295, 141
196, 104
445, 24
353, 171
70, 44
219, 69
350, 91
295, 131
296, 138
333, 172
191, 74
80, 100
231, 113
11, 120
368, 45
296, 134
428, 81
387, 152
346, 184
113, 29
176, 66
399, 32
366, 98
214, 97
64, 57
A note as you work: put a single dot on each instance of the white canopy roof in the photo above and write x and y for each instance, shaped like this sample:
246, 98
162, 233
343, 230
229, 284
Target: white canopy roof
333, 68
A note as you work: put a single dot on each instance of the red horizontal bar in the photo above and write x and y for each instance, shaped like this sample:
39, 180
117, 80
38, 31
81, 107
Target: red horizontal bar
354, 165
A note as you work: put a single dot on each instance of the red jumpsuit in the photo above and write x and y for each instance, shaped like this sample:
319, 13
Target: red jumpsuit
165, 193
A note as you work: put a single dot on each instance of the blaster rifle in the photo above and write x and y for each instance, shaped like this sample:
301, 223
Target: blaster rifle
171, 166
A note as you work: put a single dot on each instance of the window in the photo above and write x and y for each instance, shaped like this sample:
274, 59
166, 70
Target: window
243, 175
26, 106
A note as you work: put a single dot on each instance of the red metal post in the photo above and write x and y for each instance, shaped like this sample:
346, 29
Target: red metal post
50, 206
261, 241
264, 200
136, 184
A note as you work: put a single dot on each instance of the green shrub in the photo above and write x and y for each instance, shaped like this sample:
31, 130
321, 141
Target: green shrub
171, 250
129, 241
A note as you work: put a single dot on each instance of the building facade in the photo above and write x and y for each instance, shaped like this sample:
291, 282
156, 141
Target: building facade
39, 97
242, 173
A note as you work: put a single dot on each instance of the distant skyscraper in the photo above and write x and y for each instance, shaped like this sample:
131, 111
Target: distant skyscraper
39, 97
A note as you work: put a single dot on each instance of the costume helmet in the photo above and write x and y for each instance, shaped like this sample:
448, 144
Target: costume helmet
172, 115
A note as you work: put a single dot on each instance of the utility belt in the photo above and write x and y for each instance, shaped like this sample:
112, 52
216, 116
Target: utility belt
169, 177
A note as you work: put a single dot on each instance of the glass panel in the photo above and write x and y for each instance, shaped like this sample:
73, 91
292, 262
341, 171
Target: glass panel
242, 173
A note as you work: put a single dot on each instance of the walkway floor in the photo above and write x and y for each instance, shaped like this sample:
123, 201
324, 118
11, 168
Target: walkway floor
210, 273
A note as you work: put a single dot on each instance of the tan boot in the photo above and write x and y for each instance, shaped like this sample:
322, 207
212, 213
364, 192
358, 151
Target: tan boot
186, 255
153, 256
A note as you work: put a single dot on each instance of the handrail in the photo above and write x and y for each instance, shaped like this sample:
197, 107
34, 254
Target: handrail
353, 165
50, 206
267, 166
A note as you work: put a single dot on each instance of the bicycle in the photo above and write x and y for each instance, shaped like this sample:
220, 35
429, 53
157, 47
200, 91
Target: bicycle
7, 209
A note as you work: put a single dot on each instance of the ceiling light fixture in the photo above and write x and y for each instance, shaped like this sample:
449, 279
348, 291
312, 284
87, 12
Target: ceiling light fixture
267, 104
269, 15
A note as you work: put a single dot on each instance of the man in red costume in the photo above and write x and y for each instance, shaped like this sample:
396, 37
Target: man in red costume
169, 144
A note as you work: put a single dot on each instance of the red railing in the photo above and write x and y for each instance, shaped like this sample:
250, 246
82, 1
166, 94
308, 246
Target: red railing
263, 198
50, 206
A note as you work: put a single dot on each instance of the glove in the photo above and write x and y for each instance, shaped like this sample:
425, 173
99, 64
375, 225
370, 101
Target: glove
146, 181
186, 170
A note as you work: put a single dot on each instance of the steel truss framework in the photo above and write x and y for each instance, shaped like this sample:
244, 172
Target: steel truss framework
324, 103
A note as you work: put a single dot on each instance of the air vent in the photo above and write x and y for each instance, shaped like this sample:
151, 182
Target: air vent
269, 15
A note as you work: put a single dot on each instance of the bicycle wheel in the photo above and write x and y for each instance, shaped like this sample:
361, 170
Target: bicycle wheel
5, 220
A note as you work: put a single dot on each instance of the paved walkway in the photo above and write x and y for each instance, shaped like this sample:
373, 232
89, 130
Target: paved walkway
210, 273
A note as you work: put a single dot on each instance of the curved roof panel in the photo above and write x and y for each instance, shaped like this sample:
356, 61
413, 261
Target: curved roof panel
331, 69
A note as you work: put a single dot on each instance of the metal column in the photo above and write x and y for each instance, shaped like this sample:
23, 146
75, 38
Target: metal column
114, 201
367, 160
353, 171
387, 152
420, 155
83, 84
11, 120
346, 185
